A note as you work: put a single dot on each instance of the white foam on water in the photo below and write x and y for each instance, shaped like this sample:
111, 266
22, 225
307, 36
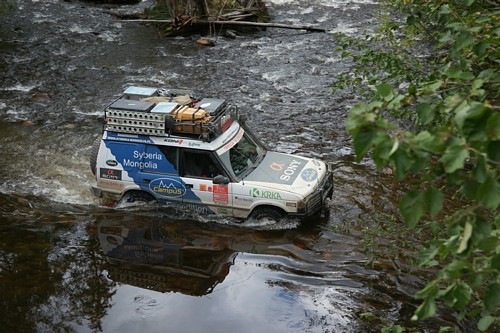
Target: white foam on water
108, 36
20, 87
79, 30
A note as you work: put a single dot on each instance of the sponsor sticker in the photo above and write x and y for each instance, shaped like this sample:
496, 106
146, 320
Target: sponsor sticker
220, 193
309, 175
111, 162
278, 168
110, 184
110, 174
256, 193
167, 187
179, 141
203, 187
245, 199
198, 209
234, 141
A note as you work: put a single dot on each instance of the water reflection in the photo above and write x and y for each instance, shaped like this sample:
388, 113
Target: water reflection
164, 257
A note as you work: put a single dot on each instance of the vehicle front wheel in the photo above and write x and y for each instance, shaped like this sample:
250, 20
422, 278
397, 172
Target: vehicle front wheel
267, 214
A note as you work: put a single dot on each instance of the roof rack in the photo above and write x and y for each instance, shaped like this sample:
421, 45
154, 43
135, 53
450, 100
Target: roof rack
164, 112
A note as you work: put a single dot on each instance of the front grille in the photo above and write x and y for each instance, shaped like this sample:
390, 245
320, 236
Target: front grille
328, 185
314, 203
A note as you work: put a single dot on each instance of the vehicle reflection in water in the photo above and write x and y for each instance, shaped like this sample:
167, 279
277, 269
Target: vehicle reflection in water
162, 257
178, 256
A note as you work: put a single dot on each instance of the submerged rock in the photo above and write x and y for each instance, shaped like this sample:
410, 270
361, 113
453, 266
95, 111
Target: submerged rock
205, 42
41, 96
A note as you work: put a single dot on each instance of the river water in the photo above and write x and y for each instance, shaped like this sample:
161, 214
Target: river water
67, 264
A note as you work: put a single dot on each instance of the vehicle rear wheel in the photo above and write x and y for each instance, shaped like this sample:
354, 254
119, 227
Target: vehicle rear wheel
136, 196
93, 155
267, 214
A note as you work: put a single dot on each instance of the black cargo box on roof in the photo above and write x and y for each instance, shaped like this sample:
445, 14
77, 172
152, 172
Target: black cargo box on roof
131, 105
212, 105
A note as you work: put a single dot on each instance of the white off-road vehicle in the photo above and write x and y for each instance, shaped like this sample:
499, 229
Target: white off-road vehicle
165, 145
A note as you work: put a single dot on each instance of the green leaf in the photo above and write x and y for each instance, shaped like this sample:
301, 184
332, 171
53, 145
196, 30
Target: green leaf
402, 162
386, 91
464, 39
479, 171
492, 297
493, 126
489, 244
446, 329
362, 141
425, 113
493, 150
476, 84
433, 199
465, 238
488, 193
426, 255
444, 10
467, 76
429, 291
463, 295
383, 145
432, 86
470, 111
393, 329
482, 230
495, 262
480, 48
454, 269
429, 142
455, 155
426, 310
469, 189
411, 207
485, 323
396, 102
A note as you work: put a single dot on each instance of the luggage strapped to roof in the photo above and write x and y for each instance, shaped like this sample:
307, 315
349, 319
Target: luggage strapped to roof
135, 113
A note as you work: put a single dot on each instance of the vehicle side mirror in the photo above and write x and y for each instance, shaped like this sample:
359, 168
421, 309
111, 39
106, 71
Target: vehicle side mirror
221, 180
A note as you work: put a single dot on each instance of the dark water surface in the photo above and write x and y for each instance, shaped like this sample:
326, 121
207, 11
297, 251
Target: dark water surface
67, 264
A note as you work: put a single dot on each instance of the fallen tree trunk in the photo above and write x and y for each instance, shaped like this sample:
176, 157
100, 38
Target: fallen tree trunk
242, 23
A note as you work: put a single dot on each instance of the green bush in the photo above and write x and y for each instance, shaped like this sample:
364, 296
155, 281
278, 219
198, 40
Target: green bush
429, 77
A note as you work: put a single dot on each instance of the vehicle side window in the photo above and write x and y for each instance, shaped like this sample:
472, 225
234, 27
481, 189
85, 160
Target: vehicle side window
172, 155
160, 159
200, 165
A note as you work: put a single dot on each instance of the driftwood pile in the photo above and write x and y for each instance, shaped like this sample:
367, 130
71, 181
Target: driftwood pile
247, 15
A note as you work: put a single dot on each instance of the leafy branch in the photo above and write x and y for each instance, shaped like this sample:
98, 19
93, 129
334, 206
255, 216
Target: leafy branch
445, 96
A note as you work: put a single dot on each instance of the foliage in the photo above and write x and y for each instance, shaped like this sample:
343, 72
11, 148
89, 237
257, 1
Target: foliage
6, 6
430, 80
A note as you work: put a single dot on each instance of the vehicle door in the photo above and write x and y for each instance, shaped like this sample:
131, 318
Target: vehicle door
159, 173
198, 172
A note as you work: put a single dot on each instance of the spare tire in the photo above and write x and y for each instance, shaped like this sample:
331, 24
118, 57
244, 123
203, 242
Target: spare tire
93, 155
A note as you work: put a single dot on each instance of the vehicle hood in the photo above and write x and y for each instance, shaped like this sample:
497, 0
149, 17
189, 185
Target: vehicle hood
285, 172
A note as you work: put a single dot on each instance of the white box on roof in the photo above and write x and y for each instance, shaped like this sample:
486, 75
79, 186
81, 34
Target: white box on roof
135, 92
164, 107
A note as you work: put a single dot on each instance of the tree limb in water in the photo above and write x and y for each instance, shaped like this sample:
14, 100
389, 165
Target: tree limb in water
243, 23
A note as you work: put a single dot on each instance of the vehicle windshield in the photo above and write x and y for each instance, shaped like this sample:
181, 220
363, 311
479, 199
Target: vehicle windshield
241, 154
